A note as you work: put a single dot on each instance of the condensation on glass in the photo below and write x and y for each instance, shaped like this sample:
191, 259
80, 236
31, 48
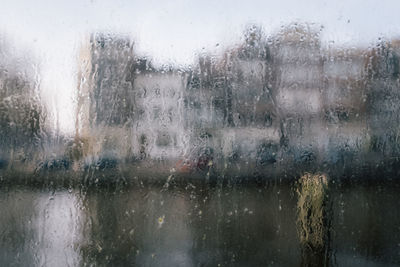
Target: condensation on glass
277, 146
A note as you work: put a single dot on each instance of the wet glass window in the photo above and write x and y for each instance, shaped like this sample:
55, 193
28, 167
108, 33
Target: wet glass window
199, 133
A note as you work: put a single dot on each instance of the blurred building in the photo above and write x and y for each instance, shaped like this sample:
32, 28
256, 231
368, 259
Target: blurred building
383, 96
298, 84
158, 129
343, 99
126, 108
299, 71
229, 106
284, 96
344, 91
319, 94
250, 72
105, 108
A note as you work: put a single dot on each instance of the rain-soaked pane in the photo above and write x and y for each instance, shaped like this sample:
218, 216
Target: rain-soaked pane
199, 133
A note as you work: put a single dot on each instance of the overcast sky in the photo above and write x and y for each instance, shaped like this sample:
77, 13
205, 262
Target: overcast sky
173, 31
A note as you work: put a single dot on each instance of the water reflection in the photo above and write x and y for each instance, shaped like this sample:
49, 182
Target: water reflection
143, 226
194, 225
39, 228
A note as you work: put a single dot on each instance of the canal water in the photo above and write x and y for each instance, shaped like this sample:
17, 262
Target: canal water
199, 224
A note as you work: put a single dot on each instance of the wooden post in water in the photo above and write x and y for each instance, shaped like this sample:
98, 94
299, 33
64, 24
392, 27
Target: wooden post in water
314, 219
